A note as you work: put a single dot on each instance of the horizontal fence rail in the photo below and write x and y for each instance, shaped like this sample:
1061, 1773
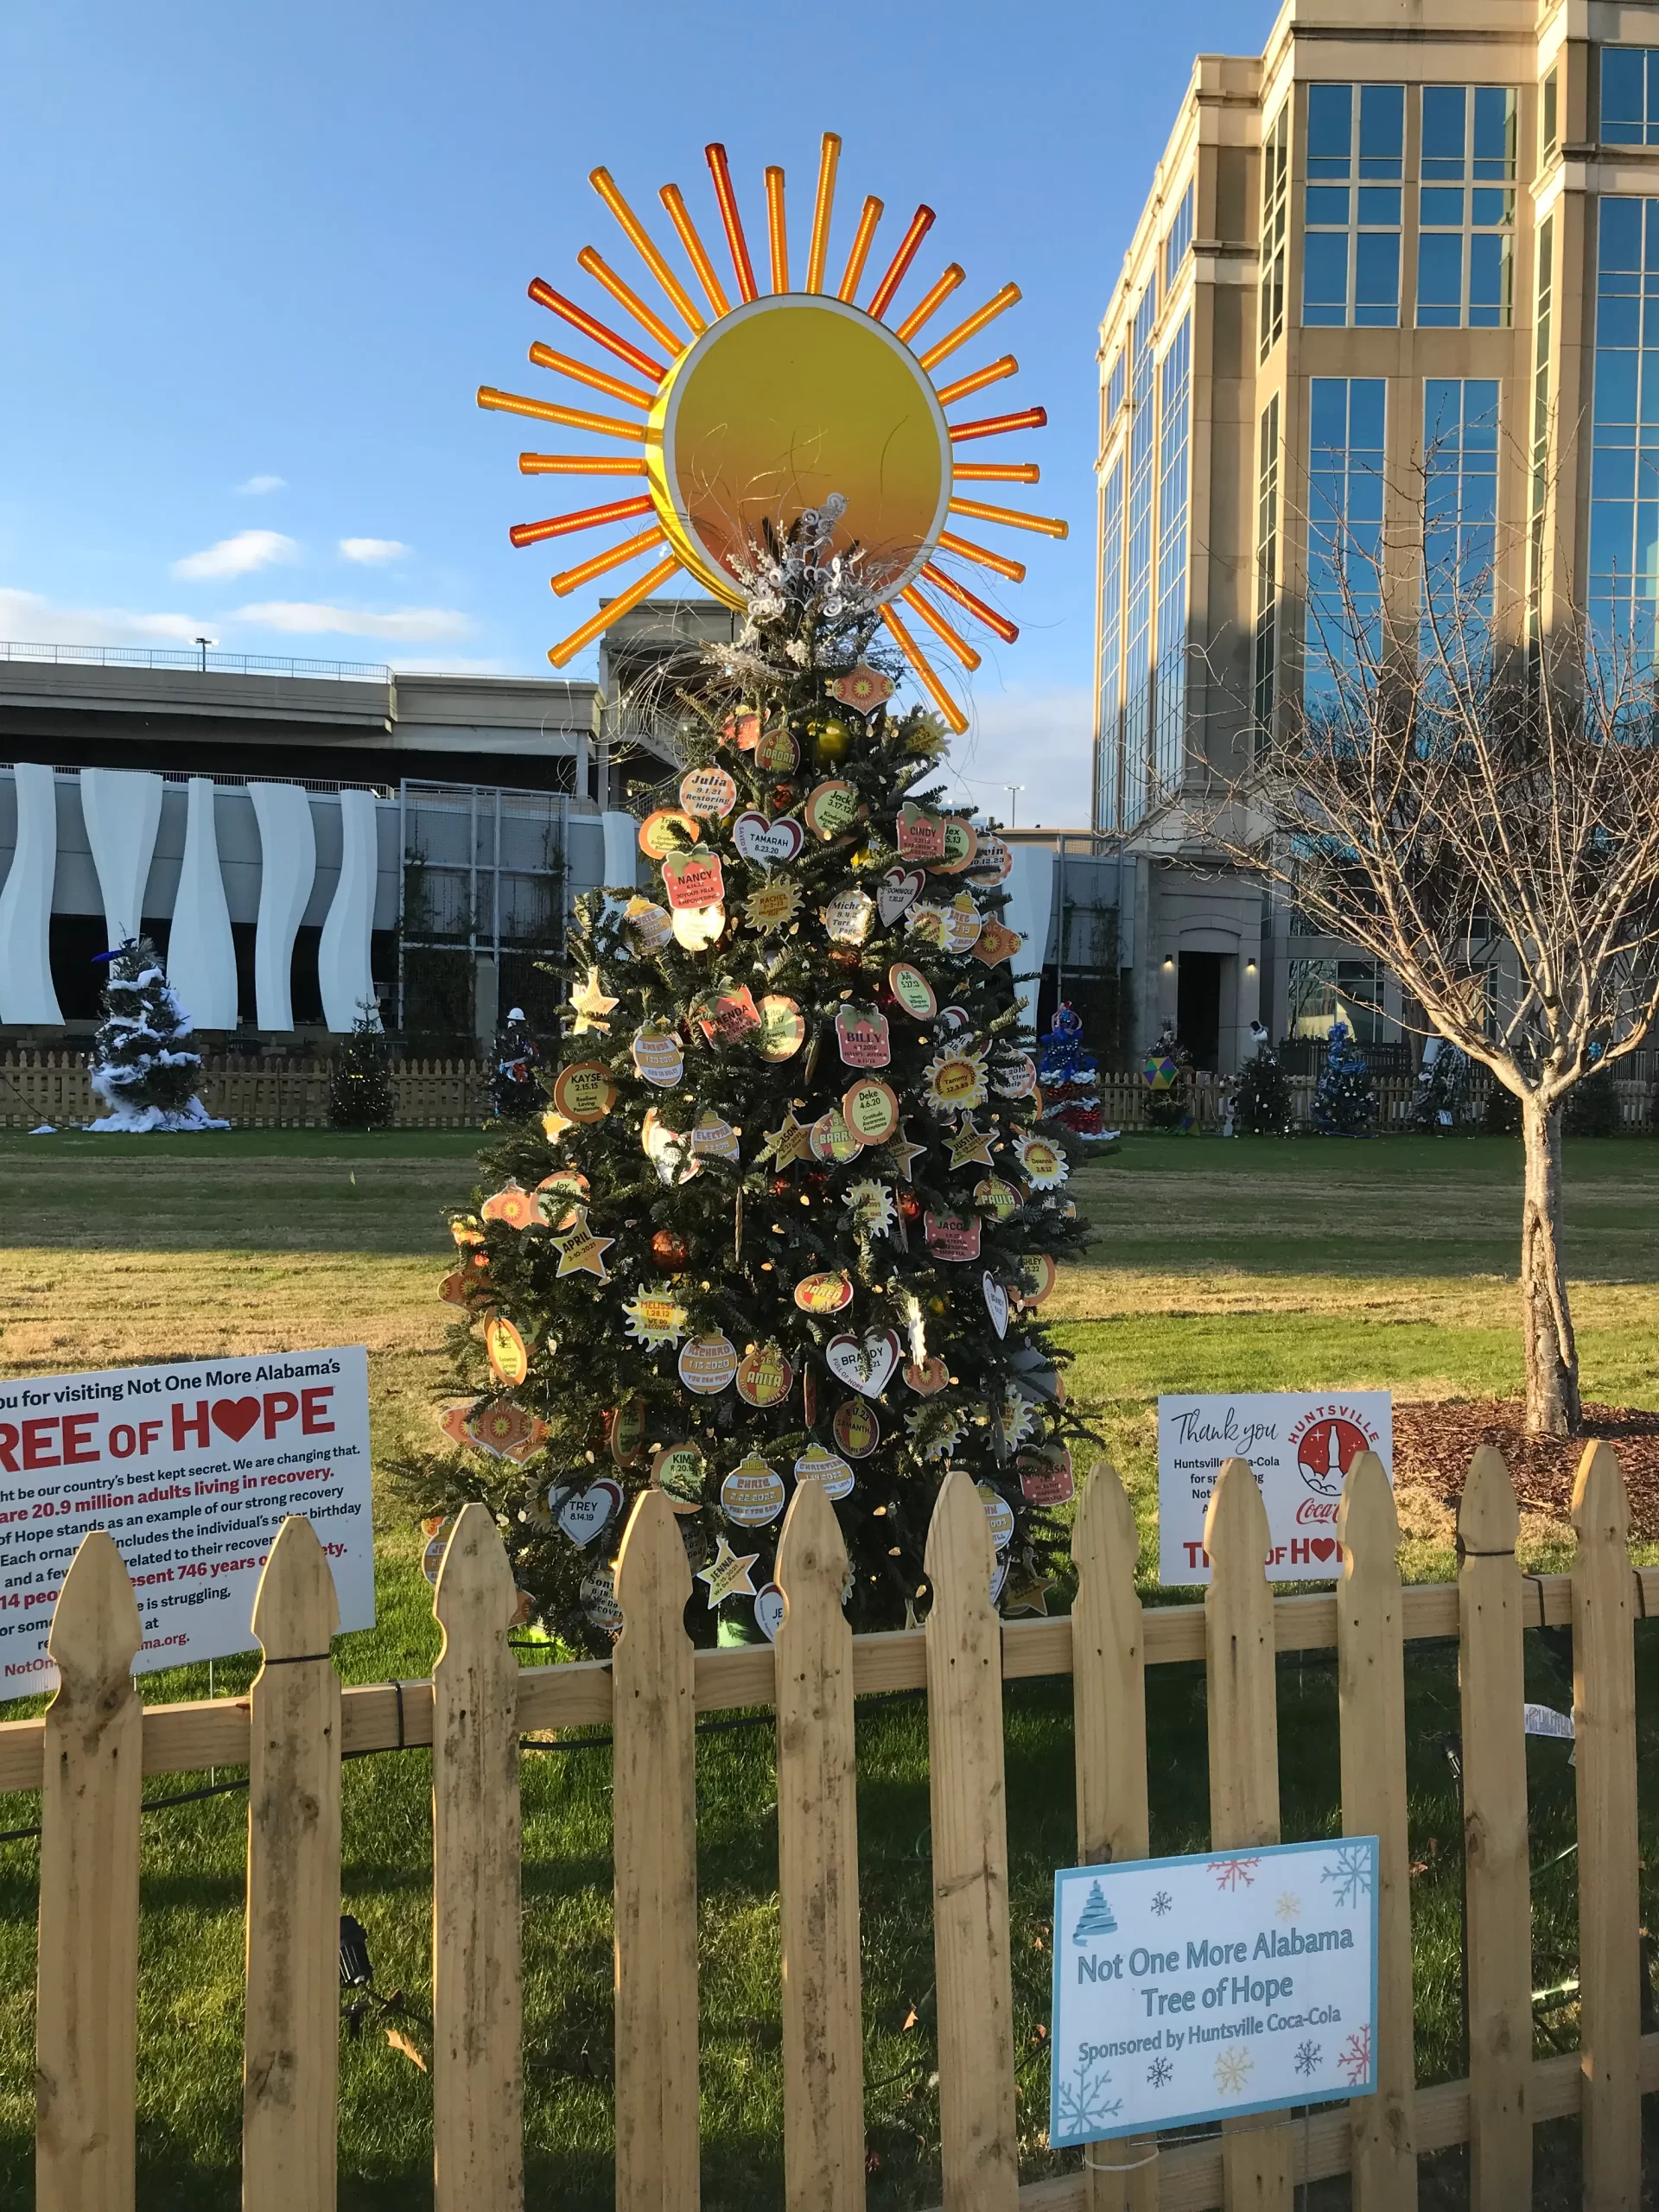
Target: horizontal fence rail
86, 1755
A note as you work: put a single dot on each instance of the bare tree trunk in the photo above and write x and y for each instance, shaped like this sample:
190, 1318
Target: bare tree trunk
1552, 1351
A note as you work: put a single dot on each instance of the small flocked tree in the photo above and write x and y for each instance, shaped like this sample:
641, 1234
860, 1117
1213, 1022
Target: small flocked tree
141, 1066
790, 1215
1344, 1102
360, 1093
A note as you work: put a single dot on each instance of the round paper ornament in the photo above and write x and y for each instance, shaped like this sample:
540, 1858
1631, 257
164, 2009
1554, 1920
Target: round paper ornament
996, 1197
665, 830
961, 843
649, 925
823, 1293
775, 753
625, 1433
848, 915
437, 1543
992, 863
1037, 1273
1016, 1078
998, 1515
708, 794
659, 1055
505, 1348
514, 1206
597, 1591
855, 1428
707, 1364
668, 1150
870, 1110
817, 1465
783, 1028
695, 928
677, 1471
911, 991
753, 1494
584, 1090
764, 1375
832, 1141
831, 810
769, 1610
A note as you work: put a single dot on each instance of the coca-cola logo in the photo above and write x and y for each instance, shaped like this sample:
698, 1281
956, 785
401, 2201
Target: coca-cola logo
1314, 1509
1325, 1452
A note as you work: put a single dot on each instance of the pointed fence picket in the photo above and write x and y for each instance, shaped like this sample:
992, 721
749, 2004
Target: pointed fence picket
86, 1753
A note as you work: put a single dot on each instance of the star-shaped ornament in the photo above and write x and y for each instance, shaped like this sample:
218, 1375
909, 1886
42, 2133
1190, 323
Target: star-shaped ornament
792, 1142
905, 1154
1029, 1594
969, 1146
591, 1002
728, 1574
581, 1253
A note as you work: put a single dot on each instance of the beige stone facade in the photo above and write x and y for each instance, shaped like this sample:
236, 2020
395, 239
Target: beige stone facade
1254, 296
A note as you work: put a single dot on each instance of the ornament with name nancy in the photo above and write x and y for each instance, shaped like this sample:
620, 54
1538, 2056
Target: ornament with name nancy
823, 1293
855, 1428
583, 1092
817, 1465
911, 991
870, 1109
861, 1036
677, 1470
707, 1364
774, 907
831, 810
764, 1375
659, 1055
753, 1494
693, 879
665, 830
504, 1349
655, 1319
832, 1141
954, 1079
708, 794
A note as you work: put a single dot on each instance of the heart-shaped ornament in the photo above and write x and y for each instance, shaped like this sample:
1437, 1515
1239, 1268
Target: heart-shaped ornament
996, 1304
769, 1609
771, 844
863, 1363
896, 891
583, 1516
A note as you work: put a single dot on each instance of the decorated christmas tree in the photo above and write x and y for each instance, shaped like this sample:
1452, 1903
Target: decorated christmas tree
1345, 1103
789, 1215
514, 1092
1069, 1078
1164, 1072
1436, 1102
141, 1066
360, 1093
1262, 1097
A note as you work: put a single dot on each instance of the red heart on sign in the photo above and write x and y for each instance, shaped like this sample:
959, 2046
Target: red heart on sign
1322, 1546
236, 1416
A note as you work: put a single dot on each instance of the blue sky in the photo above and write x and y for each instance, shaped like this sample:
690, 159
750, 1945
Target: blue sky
257, 261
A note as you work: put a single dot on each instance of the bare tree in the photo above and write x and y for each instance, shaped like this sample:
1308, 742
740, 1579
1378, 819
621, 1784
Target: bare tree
1484, 820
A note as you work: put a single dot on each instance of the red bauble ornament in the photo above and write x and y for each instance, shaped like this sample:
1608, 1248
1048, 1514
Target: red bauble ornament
669, 1248
780, 1185
909, 1205
783, 796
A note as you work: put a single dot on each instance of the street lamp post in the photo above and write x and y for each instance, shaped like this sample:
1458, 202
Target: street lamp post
1013, 792
204, 643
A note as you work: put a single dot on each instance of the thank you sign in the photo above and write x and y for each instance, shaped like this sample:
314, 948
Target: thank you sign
1300, 1445
1199, 1988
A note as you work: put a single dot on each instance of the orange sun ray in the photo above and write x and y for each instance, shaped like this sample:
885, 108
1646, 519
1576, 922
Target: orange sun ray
998, 564
646, 247
571, 418
590, 327
543, 357
996, 472
569, 579
531, 533
955, 719
680, 215
869, 216
977, 510
929, 303
989, 426
993, 373
920, 223
829, 157
1006, 630
777, 230
996, 305
720, 169
625, 601
584, 464
936, 623
598, 267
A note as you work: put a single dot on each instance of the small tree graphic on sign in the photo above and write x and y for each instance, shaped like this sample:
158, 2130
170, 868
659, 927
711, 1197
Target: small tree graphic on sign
1096, 1917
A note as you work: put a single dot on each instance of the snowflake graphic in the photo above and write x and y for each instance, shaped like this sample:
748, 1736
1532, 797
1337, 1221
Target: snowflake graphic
1234, 2068
1354, 2059
1288, 1906
1160, 2074
1307, 2058
1234, 1873
1352, 1875
1084, 2104
1162, 1903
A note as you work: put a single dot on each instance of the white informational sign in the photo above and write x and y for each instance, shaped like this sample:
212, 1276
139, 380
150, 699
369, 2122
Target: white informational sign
1196, 1989
191, 1468
1300, 1447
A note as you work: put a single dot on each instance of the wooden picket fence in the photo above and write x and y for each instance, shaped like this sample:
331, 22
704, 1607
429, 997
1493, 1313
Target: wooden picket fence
88, 1753
36, 1087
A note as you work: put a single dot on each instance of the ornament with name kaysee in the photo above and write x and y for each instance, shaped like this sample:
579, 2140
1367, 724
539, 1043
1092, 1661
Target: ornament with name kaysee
707, 1364
831, 810
708, 794
832, 1141
753, 1494
764, 1375
817, 1465
659, 1055
654, 1319
862, 1037
677, 1470
728, 1574
714, 1139
774, 907
1043, 1163
951, 1236
954, 1079
767, 844
584, 1091
870, 1109
693, 879
666, 830
855, 1428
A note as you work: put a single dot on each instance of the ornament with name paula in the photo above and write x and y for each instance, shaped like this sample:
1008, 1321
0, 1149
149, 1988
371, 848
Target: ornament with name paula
783, 1028
897, 892
714, 1139
753, 1494
993, 943
996, 1197
920, 834
728, 1017
764, 1375
961, 843
855, 1428
677, 1470
767, 844
848, 915
707, 1364
998, 1515
1045, 1475
649, 925
776, 752
953, 1081
831, 810
1043, 1163
823, 1293
659, 1055
951, 1236
817, 1465
668, 1150
870, 1110
911, 991
1037, 1273
693, 879
666, 830
863, 1363
504, 1349
774, 907
655, 1319
695, 928
831, 1140
930, 1376
584, 1091
861, 1036
708, 794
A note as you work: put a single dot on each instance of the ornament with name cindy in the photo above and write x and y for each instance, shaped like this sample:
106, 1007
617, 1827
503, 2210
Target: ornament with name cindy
920, 832
753, 1493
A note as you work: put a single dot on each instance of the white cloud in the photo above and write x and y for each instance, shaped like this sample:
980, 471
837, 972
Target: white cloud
236, 557
1041, 739
305, 618
256, 486
29, 617
373, 552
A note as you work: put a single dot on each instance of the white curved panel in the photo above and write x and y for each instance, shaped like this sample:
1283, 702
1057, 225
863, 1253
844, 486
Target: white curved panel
200, 951
1031, 906
343, 968
25, 992
288, 866
121, 809
621, 833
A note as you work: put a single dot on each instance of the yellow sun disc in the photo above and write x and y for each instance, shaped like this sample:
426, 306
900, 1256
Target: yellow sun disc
783, 401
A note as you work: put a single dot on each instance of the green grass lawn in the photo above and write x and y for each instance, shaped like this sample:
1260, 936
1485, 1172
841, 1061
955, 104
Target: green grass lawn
1215, 1265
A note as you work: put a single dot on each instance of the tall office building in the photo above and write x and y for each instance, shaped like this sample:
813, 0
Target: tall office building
1414, 236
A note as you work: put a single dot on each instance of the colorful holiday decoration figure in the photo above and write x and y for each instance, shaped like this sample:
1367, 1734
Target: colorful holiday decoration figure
1345, 1103
1260, 1104
790, 1215
1436, 1102
1164, 1072
514, 1092
1070, 1080
360, 1093
141, 1066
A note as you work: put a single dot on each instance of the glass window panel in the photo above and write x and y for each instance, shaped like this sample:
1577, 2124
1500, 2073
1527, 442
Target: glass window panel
1650, 384
1620, 241
1324, 277
1494, 130
1480, 414
1617, 322
1489, 280
1328, 415
1550, 112
1376, 277
1439, 275
1442, 409
1612, 523
1379, 206
1328, 203
1438, 205
1444, 110
1367, 413
1382, 130
1493, 208
1624, 97
1330, 129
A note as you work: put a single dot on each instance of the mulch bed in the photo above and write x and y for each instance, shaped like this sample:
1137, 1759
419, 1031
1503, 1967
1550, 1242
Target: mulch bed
1433, 1444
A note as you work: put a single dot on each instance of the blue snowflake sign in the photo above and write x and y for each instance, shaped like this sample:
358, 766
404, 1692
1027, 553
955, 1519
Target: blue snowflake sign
1198, 1989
